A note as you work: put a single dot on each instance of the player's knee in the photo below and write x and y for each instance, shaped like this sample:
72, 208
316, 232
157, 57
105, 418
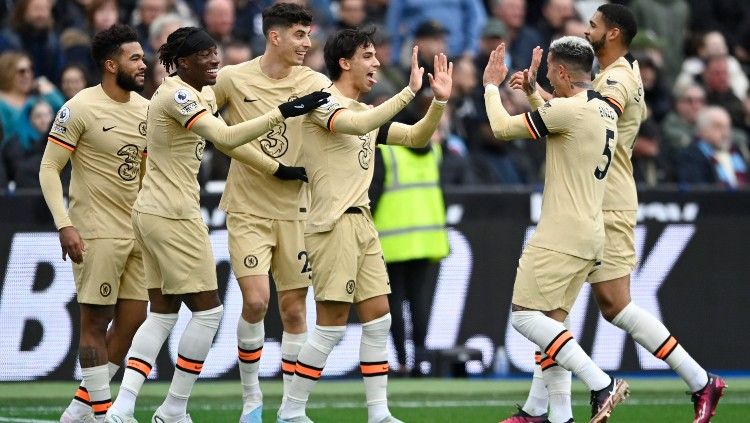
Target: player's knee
293, 317
610, 309
255, 307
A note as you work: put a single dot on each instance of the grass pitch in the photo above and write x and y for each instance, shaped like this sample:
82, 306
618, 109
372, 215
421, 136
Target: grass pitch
416, 400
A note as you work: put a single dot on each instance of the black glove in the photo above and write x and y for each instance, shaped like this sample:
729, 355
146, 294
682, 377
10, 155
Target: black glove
290, 173
303, 104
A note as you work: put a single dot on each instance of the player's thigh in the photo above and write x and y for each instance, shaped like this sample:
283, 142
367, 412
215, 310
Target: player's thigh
151, 272
548, 280
133, 279
251, 244
333, 256
619, 257
183, 253
97, 277
290, 264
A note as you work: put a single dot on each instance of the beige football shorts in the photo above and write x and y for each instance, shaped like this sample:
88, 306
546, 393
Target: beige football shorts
177, 254
112, 268
619, 258
257, 244
347, 261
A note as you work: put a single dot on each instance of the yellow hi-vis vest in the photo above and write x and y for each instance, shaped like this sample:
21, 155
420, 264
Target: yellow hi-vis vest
410, 216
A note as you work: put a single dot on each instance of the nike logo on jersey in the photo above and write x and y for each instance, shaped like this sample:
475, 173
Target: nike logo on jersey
249, 100
610, 82
107, 129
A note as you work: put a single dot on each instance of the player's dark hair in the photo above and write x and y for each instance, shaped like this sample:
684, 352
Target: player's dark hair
342, 45
619, 16
575, 52
181, 43
108, 43
285, 15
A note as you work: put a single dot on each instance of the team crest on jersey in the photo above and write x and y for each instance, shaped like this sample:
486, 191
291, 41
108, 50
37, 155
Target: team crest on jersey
142, 128
181, 96
63, 115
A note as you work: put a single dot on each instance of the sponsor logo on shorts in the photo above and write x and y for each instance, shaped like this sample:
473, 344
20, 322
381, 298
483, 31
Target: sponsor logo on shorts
350, 287
105, 289
251, 261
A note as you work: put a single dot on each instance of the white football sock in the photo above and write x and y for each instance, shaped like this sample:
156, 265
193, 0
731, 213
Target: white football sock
537, 401
291, 343
558, 381
650, 333
192, 351
146, 345
250, 337
559, 346
97, 382
310, 362
373, 357
80, 405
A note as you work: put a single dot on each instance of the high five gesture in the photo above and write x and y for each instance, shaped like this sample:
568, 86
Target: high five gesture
442, 82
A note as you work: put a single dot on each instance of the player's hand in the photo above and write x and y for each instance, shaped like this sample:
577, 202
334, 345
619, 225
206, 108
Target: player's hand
303, 104
525, 80
291, 173
415, 77
442, 82
496, 69
72, 244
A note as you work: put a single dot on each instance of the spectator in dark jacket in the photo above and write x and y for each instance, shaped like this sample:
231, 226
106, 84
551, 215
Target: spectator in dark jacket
713, 158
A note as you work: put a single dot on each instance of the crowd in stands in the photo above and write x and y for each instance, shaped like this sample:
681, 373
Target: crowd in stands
695, 80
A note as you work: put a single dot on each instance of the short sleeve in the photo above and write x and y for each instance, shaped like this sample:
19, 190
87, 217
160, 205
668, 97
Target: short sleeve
69, 125
553, 117
325, 115
617, 84
184, 106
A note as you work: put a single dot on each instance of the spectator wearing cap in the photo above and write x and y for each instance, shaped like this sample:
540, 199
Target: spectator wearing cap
463, 20
493, 33
713, 158
522, 38
430, 37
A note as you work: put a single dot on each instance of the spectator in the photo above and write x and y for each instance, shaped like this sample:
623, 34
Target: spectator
236, 52
662, 17
351, 14
73, 80
218, 20
658, 97
713, 158
411, 227
70, 14
463, 19
76, 46
574, 27
493, 33
714, 44
718, 90
23, 152
455, 164
722, 15
650, 166
18, 89
160, 29
467, 111
678, 126
32, 31
145, 14
430, 37
522, 38
555, 14
101, 15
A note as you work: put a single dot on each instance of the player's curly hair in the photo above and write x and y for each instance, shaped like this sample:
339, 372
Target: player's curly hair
169, 50
342, 45
619, 16
285, 15
108, 43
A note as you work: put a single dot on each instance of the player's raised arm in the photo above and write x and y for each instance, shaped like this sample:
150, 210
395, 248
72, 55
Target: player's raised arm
504, 126
346, 121
418, 135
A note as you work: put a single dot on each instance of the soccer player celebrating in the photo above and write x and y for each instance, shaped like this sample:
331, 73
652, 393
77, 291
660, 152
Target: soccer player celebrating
340, 236
266, 216
102, 131
611, 29
178, 261
569, 239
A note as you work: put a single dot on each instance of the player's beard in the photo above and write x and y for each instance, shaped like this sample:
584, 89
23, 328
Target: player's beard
127, 82
598, 44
